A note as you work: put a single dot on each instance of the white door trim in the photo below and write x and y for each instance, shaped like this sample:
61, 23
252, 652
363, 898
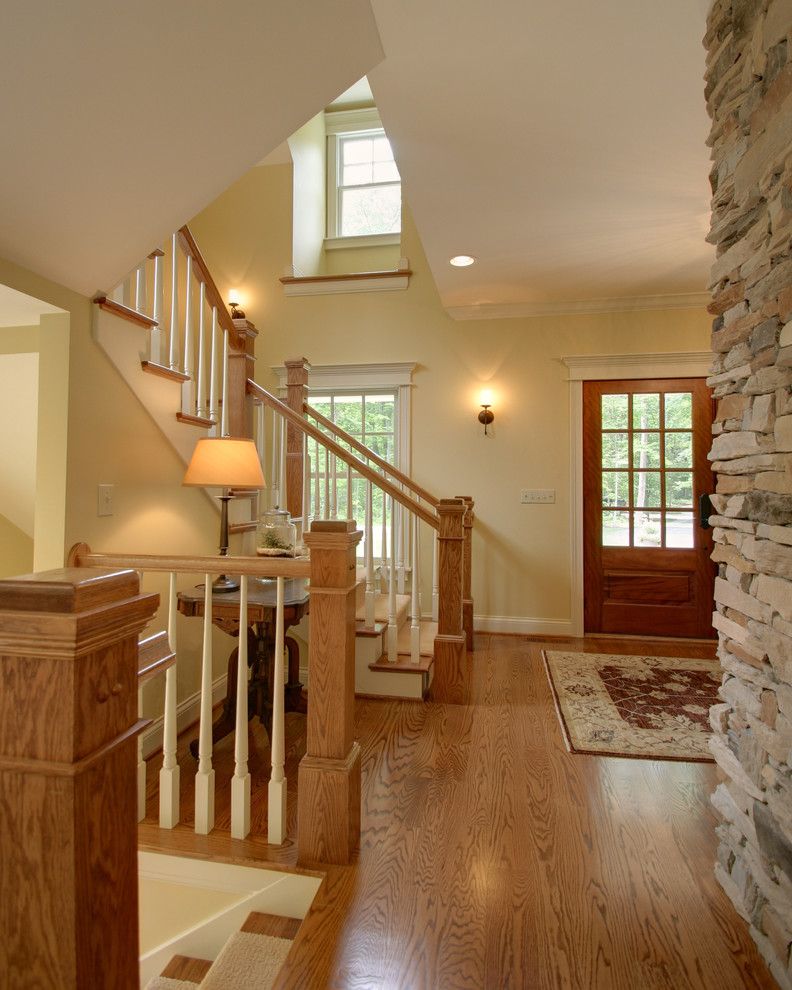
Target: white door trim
608, 367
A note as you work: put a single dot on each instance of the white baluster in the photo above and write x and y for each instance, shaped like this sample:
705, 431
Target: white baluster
140, 287
201, 407
240, 782
333, 488
349, 492
141, 766
173, 349
275, 474
306, 500
384, 540
276, 807
169, 775
326, 514
400, 525
282, 465
317, 513
393, 629
156, 336
204, 778
415, 610
369, 549
435, 576
188, 387
224, 397
214, 406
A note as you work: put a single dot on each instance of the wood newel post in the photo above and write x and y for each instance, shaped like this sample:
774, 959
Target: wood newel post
450, 678
241, 366
328, 790
296, 396
467, 571
68, 755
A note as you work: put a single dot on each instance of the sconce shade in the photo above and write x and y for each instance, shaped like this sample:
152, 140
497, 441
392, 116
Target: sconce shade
225, 462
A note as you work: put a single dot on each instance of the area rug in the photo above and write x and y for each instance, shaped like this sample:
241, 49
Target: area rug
654, 708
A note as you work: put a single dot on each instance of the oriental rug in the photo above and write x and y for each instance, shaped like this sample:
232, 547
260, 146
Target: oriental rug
653, 708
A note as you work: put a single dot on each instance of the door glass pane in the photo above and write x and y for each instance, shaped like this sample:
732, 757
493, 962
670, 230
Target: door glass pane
646, 411
647, 529
646, 489
679, 450
615, 450
646, 450
679, 529
614, 412
678, 410
615, 488
679, 489
615, 529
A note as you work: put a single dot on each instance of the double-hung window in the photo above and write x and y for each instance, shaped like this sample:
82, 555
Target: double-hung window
363, 182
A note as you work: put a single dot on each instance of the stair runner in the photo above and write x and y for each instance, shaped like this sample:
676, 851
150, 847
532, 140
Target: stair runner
252, 957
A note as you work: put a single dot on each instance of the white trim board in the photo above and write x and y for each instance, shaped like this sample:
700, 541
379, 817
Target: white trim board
187, 712
522, 625
353, 376
608, 367
580, 307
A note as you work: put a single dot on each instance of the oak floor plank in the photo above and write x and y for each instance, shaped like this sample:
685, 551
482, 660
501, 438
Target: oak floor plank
493, 858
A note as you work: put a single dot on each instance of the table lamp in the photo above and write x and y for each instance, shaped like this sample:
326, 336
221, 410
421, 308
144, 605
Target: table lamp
224, 462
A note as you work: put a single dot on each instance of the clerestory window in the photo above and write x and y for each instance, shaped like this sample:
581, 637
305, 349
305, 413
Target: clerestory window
363, 182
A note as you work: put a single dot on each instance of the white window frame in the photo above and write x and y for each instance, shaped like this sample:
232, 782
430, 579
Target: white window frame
340, 124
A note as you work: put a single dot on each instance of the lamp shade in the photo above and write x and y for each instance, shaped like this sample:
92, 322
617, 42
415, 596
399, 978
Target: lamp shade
225, 462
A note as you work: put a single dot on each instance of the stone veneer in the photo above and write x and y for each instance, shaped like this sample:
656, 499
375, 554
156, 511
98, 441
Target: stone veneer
749, 97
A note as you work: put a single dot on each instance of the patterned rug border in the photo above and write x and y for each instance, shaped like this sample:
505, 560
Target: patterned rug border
602, 752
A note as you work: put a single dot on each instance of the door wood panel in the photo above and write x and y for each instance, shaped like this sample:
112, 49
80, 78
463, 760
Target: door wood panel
647, 567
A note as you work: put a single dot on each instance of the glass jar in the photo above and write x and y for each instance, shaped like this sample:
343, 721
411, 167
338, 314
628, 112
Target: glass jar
276, 534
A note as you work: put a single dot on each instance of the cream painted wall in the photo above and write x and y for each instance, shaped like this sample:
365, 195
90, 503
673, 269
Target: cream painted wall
521, 552
308, 148
16, 550
108, 438
19, 373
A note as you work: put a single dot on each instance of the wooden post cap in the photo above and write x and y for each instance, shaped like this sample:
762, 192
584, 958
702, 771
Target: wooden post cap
67, 590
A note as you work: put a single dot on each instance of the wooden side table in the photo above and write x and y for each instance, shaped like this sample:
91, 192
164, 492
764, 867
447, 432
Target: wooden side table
261, 647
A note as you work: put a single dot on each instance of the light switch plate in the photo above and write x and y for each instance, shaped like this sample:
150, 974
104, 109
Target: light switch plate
537, 496
105, 500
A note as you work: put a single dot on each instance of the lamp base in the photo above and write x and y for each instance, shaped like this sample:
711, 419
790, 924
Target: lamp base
224, 583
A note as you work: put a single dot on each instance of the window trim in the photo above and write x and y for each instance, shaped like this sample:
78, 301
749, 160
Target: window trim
340, 124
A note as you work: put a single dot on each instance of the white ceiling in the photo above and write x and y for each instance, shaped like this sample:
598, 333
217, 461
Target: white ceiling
561, 144
122, 121
20, 310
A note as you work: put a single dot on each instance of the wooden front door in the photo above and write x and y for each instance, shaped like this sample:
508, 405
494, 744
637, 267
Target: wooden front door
647, 568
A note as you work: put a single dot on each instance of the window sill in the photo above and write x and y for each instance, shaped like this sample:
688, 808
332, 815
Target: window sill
322, 285
370, 240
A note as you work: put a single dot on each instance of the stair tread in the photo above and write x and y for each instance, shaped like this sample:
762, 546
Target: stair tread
201, 421
361, 629
381, 608
247, 960
187, 969
403, 665
259, 923
159, 369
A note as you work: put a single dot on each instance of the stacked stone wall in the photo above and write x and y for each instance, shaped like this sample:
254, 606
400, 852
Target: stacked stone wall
749, 97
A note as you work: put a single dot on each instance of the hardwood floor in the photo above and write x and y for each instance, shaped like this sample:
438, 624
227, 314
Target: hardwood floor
493, 858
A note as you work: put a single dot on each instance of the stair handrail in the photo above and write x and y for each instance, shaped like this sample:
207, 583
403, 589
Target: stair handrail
285, 567
371, 455
190, 247
409, 503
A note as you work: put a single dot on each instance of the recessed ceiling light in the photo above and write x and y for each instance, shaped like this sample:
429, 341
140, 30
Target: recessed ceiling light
461, 260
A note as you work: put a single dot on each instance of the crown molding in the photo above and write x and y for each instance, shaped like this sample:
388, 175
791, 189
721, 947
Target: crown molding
580, 307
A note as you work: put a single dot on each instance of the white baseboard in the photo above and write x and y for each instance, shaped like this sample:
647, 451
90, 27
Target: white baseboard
522, 626
187, 712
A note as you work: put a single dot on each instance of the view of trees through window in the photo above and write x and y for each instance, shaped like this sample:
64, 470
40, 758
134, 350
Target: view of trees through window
369, 187
647, 469
371, 418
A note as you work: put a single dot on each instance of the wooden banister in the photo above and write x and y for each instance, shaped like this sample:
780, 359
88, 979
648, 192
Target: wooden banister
394, 472
201, 270
450, 684
81, 556
154, 656
427, 515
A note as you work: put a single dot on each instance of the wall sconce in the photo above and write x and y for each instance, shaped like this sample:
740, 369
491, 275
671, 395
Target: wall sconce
233, 302
486, 416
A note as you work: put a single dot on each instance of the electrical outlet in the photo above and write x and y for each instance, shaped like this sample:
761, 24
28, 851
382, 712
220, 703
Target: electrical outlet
105, 500
537, 496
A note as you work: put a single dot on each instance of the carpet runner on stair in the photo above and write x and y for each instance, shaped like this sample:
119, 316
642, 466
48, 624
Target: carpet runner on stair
166, 983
